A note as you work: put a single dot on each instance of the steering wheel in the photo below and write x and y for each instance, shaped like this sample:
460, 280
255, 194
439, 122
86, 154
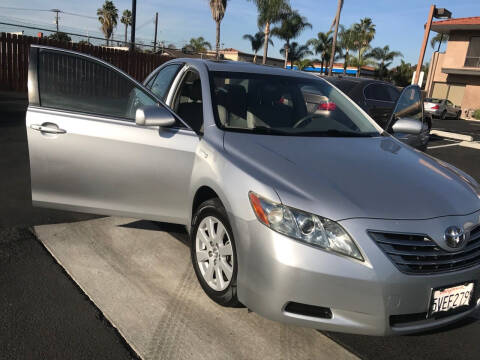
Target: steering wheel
303, 120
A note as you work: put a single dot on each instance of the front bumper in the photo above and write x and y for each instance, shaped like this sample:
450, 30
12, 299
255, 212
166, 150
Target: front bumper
370, 298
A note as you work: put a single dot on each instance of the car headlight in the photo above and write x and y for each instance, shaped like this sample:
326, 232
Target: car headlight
300, 225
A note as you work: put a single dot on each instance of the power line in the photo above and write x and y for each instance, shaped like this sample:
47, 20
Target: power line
49, 10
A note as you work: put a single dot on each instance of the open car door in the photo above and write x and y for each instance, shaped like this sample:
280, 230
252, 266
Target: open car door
86, 151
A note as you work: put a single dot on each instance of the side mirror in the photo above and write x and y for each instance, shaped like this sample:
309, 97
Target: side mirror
153, 115
407, 126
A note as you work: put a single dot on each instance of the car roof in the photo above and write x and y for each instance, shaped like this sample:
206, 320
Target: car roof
355, 80
246, 67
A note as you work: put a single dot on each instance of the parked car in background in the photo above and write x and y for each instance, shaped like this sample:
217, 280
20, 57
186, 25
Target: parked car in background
442, 108
378, 99
314, 217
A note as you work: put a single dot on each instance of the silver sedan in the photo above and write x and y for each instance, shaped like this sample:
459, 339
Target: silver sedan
310, 215
442, 108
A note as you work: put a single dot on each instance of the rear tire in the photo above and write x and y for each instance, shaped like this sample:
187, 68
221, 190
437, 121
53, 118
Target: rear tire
213, 253
459, 115
444, 115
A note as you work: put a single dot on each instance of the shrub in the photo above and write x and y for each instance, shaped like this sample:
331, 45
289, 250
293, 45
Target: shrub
476, 114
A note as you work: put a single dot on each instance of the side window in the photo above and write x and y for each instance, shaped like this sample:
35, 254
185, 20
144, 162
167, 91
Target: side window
163, 80
394, 93
449, 103
188, 100
80, 84
377, 92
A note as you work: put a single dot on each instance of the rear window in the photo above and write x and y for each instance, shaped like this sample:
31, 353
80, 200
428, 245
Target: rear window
435, 101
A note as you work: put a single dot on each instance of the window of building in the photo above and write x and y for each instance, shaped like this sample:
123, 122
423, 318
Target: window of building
473, 53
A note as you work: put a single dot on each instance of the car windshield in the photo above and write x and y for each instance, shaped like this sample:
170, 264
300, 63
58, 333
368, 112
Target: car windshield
435, 101
285, 105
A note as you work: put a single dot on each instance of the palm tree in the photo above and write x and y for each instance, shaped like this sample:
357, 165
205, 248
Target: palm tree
385, 58
364, 34
346, 41
402, 74
438, 39
218, 8
270, 12
297, 52
322, 45
126, 20
302, 64
108, 17
336, 23
256, 42
290, 28
199, 45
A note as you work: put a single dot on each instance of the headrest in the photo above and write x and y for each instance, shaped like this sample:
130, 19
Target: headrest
236, 100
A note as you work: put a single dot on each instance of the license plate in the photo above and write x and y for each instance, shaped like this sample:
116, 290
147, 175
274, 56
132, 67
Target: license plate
447, 299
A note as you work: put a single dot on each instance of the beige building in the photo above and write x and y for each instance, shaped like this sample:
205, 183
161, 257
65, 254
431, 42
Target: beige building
455, 74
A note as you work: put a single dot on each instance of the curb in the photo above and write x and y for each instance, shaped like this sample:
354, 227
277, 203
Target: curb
470, 144
451, 135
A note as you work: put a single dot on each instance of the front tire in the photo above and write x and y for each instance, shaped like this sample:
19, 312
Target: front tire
459, 115
213, 253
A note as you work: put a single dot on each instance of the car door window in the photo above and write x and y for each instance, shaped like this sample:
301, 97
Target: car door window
378, 92
449, 103
188, 102
409, 105
81, 84
163, 80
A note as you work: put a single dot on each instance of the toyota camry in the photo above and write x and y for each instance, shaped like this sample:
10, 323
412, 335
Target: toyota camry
298, 205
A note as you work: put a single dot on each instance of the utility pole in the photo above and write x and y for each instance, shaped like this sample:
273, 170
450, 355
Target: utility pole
134, 19
334, 42
56, 11
156, 27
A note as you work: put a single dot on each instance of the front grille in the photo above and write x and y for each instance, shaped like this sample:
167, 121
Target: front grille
418, 254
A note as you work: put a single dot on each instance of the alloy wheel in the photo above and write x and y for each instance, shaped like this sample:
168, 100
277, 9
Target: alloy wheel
214, 253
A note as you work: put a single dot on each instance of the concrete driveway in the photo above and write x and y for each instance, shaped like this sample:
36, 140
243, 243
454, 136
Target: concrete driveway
139, 275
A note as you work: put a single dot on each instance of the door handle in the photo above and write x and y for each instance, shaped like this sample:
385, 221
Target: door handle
47, 129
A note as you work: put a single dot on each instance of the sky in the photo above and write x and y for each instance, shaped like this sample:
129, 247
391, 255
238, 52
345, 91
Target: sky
399, 24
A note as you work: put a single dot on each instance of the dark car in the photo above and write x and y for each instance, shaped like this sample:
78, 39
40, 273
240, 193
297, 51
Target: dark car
378, 99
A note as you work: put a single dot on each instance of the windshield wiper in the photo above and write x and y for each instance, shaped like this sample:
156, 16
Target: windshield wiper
338, 133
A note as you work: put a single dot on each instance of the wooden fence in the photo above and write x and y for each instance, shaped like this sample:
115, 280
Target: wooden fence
14, 51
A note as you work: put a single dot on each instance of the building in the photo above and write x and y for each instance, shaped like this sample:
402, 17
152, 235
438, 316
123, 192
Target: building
455, 74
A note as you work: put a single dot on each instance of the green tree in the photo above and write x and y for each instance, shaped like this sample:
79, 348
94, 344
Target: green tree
270, 12
364, 34
438, 39
127, 21
322, 46
59, 36
108, 17
199, 45
256, 41
297, 52
346, 42
291, 26
384, 57
402, 74
302, 64
218, 8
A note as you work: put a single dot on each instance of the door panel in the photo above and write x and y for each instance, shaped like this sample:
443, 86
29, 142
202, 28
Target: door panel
89, 158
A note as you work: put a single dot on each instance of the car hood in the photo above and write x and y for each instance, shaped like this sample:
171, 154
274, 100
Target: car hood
342, 178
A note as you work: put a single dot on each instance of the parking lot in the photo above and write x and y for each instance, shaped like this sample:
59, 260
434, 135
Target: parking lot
83, 286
